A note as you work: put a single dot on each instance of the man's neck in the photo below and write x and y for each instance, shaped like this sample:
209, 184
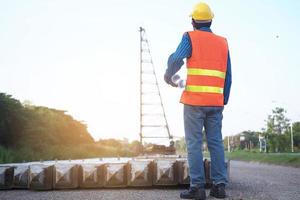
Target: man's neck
204, 28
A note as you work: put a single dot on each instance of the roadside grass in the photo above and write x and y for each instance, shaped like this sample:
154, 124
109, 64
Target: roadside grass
286, 159
61, 152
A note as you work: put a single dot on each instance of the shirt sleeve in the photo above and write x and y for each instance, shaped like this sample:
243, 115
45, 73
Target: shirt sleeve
228, 81
175, 61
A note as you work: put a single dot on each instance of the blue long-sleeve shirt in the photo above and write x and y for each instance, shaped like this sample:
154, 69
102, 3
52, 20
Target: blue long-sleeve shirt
184, 50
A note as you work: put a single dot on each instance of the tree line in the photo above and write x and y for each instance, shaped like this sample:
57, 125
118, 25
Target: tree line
37, 126
29, 132
278, 135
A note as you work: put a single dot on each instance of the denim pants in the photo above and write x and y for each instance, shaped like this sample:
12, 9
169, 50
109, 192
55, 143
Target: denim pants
195, 118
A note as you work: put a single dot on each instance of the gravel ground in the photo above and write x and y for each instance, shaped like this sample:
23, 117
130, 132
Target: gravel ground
248, 181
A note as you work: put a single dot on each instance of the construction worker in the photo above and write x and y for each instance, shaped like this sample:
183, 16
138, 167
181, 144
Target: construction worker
206, 92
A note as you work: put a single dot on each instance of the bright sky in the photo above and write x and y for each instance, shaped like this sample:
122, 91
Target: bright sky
83, 57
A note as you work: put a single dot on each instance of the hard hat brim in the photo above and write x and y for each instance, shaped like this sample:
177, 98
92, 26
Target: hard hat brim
213, 15
202, 21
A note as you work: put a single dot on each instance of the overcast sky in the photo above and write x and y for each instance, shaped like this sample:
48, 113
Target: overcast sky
83, 57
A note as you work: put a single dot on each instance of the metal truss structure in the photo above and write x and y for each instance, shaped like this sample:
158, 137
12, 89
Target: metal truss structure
153, 121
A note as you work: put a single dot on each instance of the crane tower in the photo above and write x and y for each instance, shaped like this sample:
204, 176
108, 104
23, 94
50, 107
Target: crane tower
153, 121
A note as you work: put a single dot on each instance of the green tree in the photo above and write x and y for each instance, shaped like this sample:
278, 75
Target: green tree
277, 122
36, 126
277, 131
12, 120
250, 140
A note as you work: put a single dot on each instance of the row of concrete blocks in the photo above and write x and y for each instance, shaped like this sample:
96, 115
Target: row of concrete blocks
118, 172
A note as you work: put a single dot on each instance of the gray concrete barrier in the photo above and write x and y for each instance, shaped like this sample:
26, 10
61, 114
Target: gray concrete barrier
183, 171
140, 172
21, 176
165, 172
41, 176
91, 175
6, 176
115, 174
65, 175
100, 173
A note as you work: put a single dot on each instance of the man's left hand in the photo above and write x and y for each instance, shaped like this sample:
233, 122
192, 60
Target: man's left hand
169, 81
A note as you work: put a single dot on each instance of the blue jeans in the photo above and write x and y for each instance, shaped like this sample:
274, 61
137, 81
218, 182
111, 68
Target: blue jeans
195, 118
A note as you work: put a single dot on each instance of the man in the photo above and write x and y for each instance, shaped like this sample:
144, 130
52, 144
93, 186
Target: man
206, 92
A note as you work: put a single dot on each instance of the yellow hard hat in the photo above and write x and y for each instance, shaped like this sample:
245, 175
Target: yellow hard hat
201, 12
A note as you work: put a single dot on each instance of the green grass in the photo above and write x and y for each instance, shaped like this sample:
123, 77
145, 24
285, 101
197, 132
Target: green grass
287, 159
60, 152
92, 151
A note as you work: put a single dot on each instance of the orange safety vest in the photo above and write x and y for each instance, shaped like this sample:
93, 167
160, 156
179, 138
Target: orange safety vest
206, 70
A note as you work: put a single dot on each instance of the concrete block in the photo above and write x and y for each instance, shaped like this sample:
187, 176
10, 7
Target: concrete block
183, 171
6, 177
115, 174
140, 172
65, 175
41, 176
165, 172
91, 175
21, 176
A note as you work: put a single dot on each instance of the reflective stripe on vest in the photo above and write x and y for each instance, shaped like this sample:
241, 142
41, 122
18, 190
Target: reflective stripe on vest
208, 89
205, 72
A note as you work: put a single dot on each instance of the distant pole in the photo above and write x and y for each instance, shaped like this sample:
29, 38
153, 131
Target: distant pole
265, 146
292, 139
228, 143
260, 143
267, 139
250, 145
